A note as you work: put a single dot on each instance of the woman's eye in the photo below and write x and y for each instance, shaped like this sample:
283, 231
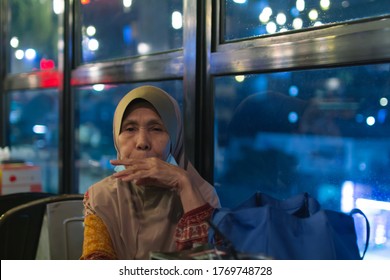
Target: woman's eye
157, 128
130, 129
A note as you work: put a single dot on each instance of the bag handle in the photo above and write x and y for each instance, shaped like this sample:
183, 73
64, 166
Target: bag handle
358, 211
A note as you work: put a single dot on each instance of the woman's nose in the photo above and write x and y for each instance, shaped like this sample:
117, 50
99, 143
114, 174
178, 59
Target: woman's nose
143, 142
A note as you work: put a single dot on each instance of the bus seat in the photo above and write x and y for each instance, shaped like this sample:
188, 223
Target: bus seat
20, 227
9, 201
65, 223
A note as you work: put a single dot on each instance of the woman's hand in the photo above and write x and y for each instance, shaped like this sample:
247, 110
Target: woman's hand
156, 172
152, 171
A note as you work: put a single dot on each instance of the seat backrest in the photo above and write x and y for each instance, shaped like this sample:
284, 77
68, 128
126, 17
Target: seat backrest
20, 227
65, 222
9, 201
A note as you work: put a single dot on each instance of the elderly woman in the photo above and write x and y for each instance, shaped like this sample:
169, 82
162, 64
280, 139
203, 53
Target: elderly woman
156, 201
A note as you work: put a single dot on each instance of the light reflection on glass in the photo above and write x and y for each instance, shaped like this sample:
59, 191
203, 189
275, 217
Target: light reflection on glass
42, 21
130, 31
251, 19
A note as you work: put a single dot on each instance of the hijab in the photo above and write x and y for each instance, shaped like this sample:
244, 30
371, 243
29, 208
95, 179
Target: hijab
143, 219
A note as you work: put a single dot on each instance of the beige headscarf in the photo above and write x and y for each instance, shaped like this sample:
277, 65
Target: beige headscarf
143, 219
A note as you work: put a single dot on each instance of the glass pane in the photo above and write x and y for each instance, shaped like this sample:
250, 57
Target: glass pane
33, 132
129, 28
249, 18
95, 106
326, 132
35, 34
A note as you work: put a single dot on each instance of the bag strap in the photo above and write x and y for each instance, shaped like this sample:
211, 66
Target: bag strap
358, 211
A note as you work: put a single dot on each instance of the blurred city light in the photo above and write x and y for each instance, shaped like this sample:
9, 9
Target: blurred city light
177, 20
271, 27
293, 117
345, 4
239, 78
39, 129
58, 7
325, 4
300, 4
30, 54
98, 87
383, 101
93, 45
91, 30
127, 3
14, 42
19, 54
46, 64
265, 14
281, 18
297, 23
143, 48
363, 203
313, 14
370, 120
293, 91
347, 200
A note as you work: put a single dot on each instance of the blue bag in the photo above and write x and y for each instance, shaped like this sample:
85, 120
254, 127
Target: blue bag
294, 228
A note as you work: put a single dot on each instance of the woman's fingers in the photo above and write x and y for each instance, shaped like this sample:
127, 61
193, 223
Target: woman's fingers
149, 171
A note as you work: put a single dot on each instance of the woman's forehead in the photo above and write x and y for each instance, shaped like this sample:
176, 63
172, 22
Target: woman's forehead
136, 104
142, 115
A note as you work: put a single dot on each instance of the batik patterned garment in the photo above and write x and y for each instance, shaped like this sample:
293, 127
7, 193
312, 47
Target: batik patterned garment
192, 228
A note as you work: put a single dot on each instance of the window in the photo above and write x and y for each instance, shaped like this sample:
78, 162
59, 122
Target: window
116, 29
326, 132
250, 18
34, 35
33, 131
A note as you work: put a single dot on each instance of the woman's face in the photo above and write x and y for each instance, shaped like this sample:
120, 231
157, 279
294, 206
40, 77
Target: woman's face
143, 134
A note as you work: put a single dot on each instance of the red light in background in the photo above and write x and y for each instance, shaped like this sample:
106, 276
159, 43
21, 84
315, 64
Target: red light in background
50, 78
85, 2
46, 64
